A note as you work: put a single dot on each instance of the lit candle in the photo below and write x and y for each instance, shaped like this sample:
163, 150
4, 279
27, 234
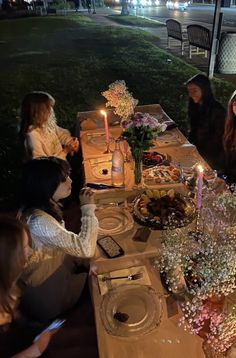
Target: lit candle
104, 113
199, 186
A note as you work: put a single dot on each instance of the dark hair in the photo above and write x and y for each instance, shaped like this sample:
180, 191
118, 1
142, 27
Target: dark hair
12, 259
35, 110
40, 179
229, 139
204, 84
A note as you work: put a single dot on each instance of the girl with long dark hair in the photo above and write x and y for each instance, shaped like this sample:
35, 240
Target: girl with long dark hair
206, 118
53, 280
229, 140
14, 254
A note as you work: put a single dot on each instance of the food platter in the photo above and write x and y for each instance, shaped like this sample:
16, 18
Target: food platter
162, 174
151, 159
161, 209
131, 310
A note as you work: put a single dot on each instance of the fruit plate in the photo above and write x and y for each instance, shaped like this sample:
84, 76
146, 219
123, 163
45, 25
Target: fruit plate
151, 159
161, 209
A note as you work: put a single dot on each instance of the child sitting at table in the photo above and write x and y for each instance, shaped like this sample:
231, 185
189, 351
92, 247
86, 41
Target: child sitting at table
15, 252
39, 131
229, 141
54, 278
207, 119
41, 135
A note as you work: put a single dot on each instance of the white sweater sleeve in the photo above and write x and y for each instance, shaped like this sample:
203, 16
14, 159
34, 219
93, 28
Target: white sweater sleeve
47, 231
34, 146
37, 146
63, 135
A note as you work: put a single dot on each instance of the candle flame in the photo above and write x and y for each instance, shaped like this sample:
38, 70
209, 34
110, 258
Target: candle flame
200, 168
104, 113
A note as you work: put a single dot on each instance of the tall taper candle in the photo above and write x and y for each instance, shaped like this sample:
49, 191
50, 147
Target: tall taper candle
199, 187
104, 113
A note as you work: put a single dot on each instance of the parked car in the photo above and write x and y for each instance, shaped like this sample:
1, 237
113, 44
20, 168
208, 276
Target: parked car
143, 3
177, 5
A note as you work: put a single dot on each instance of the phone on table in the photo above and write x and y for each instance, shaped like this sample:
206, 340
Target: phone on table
110, 247
142, 234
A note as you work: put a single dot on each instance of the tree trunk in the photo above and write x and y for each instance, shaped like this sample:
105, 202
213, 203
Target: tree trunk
124, 10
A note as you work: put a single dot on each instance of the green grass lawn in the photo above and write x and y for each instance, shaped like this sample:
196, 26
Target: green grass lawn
75, 59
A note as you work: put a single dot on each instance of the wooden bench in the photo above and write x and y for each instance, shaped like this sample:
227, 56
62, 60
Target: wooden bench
174, 30
199, 37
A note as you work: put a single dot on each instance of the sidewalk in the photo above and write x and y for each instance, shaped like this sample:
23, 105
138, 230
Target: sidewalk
199, 61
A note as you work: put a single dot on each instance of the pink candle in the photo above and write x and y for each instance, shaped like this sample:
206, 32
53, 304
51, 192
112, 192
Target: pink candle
106, 126
199, 187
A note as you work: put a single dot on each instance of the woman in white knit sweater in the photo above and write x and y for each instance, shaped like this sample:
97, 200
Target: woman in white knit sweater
39, 131
52, 281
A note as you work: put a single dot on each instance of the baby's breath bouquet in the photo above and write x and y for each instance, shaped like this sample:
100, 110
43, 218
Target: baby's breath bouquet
207, 261
119, 98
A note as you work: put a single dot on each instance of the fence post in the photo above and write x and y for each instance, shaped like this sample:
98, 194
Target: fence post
214, 40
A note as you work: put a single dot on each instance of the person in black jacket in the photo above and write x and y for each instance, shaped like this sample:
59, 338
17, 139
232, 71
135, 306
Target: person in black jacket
229, 141
207, 119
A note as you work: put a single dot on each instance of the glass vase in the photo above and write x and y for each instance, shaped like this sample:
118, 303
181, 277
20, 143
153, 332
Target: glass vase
138, 167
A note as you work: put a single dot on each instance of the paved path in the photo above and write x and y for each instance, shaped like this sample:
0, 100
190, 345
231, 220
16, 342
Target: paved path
102, 16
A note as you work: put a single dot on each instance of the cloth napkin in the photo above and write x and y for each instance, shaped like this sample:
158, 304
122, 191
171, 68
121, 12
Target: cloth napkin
104, 159
105, 286
167, 139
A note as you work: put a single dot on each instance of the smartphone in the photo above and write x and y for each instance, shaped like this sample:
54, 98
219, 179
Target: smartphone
110, 247
53, 326
142, 234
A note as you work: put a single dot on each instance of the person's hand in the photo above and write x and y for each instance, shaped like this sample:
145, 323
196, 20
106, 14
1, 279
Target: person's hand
72, 146
38, 347
86, 196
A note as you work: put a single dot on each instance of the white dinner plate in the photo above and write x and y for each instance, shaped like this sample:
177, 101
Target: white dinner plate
114, 220
102, 171
98, 139
140, 305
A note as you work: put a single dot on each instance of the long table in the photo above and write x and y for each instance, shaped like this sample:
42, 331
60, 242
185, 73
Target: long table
168, 340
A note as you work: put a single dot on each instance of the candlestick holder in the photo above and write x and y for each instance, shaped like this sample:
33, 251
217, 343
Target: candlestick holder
108, 150
198, 218
197, 234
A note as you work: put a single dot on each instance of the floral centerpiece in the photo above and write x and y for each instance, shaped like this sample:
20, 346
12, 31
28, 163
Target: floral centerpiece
207, 262
140, 130
219, 211
119, 98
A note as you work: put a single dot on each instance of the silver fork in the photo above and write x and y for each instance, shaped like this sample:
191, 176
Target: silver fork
132, 277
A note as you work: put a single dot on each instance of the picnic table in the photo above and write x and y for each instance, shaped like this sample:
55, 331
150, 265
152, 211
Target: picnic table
164, 338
